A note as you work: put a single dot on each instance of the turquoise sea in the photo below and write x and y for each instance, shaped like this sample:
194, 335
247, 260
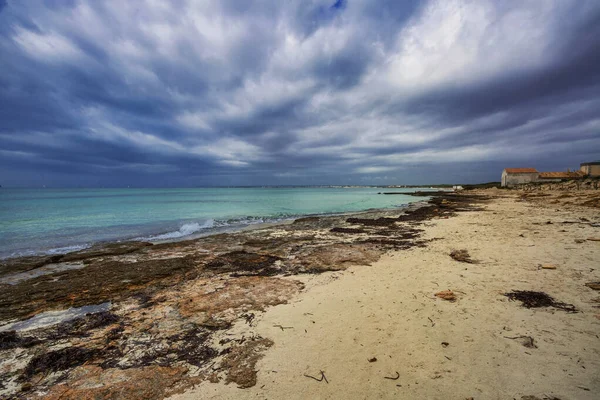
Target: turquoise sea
46, 221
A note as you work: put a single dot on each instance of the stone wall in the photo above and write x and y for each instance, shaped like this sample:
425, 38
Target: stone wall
567, 185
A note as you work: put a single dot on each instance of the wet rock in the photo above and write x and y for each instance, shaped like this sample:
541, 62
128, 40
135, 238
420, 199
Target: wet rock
99, 282
151, 383
205, 302
111, 249
241, 361
334, 257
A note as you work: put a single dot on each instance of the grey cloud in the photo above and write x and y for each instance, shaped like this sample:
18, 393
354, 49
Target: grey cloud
259, 92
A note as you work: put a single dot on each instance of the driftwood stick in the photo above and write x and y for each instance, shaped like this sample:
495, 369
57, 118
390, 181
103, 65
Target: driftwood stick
323, 377
283, 327
394, 378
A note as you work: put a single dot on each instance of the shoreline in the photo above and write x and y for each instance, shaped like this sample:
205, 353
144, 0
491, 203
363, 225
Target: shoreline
223, 312
200, 233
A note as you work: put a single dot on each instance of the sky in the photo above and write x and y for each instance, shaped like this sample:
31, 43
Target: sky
185, 93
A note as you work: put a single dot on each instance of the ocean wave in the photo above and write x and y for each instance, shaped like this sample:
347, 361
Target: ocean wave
184, 230
68, 249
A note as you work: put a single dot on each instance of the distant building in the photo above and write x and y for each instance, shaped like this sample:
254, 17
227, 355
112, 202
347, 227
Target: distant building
517, 176
559, 176
591, 168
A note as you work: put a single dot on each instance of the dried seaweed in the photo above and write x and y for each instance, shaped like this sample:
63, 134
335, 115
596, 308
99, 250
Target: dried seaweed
383, 221
338, 229
531, 299
462, 256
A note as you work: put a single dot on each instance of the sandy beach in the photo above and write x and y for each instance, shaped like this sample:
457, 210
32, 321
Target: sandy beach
331, 308
474, 347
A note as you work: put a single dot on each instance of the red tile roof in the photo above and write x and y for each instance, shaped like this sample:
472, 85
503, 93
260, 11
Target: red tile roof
562, 175
520, 170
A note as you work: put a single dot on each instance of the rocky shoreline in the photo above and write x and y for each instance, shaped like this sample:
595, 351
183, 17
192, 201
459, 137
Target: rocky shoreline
171, 304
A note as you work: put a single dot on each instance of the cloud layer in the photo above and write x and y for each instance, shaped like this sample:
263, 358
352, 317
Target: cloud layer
185, 93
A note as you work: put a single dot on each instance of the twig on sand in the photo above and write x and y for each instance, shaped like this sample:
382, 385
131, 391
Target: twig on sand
394, 378
283, 327
432, 323
526, 341
323, 377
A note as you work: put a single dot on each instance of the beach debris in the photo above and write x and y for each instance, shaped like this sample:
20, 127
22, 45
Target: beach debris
579, 241
593, 285
371, 360
321, 379
248, 317
531, 299
445, 344
446, 295
393, 378
594, 239
526, 341
548, 266
462, 256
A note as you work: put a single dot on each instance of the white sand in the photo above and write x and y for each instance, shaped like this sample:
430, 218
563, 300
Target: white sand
389, 311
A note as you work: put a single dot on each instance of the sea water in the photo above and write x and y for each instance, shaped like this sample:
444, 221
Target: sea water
47, 221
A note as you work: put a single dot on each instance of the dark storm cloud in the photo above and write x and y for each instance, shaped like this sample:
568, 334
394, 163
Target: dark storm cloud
268, 92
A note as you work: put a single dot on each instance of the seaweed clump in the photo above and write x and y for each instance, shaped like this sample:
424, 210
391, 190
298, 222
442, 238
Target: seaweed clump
243, 263
58, 360
531, 299
462, 256
10, 340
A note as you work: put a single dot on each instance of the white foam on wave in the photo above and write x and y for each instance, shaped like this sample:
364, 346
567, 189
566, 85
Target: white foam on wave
185, 230
68, 249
